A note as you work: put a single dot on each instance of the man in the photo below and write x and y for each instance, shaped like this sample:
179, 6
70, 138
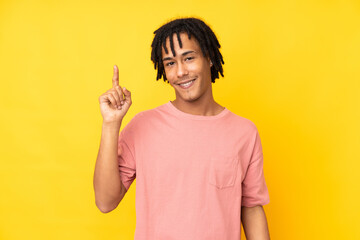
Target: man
198, 166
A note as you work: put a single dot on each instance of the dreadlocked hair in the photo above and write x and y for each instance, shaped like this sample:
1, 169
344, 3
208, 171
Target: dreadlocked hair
194, 28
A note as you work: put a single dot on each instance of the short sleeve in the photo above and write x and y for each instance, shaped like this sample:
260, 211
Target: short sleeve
126, 157
254, 189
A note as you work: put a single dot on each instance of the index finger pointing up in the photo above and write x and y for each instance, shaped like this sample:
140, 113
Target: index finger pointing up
115, 80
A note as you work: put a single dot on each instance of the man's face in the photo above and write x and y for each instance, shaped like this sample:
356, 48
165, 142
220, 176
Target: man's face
189, 71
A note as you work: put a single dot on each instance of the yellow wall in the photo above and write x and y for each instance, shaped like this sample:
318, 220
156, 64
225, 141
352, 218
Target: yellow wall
292, 67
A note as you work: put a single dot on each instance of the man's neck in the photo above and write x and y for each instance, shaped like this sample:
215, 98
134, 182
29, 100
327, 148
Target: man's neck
203, 108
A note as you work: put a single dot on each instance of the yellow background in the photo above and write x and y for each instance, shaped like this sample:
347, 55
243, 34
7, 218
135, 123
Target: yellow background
292, 67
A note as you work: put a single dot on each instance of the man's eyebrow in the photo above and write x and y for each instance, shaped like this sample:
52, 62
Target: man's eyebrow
183, 54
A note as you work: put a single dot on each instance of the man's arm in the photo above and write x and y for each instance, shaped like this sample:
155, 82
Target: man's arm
108, 187
255, 223
109, 190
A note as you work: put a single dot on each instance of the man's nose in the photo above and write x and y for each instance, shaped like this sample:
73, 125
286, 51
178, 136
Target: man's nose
181, 70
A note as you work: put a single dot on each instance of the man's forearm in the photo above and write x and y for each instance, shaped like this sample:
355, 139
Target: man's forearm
107, 183
255, 223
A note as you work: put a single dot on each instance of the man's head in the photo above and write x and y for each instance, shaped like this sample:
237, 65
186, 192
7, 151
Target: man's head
194, 28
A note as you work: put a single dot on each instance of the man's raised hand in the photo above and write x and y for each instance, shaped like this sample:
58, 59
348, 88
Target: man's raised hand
115, 102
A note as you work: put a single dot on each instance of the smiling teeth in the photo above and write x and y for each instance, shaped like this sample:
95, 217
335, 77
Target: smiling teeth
186, 84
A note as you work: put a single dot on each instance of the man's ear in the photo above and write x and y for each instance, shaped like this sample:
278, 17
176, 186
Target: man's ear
210, 61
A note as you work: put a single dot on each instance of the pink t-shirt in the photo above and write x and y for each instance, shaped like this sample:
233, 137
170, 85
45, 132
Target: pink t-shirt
193, 173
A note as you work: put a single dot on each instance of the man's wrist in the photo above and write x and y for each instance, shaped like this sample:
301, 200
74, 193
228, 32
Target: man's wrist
111, 126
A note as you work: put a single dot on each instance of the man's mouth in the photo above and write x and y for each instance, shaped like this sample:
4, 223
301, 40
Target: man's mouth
187, 84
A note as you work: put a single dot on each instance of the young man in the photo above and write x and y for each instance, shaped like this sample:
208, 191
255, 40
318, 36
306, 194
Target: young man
199, 167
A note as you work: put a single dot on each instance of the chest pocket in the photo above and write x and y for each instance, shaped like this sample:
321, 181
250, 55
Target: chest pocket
223, 171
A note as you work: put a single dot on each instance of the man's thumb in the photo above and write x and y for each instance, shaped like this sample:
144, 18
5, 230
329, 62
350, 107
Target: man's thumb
126, 92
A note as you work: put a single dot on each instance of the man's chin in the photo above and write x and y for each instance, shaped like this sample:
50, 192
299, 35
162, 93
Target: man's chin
190, 99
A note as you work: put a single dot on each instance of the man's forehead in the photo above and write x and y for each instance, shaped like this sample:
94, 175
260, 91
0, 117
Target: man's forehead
190, 43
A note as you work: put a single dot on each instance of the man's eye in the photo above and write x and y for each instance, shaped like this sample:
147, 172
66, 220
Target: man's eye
169, 64
189, 58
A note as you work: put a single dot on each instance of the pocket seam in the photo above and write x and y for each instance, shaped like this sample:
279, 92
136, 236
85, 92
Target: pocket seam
219, 168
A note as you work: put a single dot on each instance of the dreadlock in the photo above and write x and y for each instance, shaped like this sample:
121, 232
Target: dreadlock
193, 27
